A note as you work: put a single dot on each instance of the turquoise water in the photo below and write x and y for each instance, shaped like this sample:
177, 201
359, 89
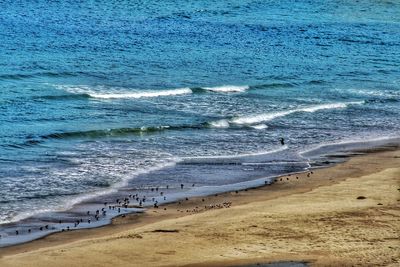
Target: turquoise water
102, 98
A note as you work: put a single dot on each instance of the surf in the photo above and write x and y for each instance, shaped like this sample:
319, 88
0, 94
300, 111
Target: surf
143, 94
227, 88
265, 117
109, 93
101, 92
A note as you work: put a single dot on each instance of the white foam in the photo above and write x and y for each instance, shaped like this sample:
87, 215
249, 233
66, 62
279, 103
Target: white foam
69, 202
362, 140
273, 115
25, 215
182, 91
112, 93
259, 153
228, 88
261, 117
327, 106
260, 126
365, 92
220, 124
373, 92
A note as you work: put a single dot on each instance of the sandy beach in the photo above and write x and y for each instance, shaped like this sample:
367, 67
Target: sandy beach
199, 133
346, 215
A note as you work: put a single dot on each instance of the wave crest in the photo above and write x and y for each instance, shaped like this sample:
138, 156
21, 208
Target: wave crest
219, 124
113, 94
228, 88
257, 119
102, 92
172, 92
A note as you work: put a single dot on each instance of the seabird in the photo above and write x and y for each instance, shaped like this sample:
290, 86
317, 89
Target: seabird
282, 141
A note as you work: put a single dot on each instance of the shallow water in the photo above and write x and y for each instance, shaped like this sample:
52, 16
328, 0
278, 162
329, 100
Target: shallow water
102, 99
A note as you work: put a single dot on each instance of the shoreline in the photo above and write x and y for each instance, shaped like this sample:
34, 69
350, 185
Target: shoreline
333, 153
187, 210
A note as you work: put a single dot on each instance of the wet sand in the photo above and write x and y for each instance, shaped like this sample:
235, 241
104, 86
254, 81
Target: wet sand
340, 216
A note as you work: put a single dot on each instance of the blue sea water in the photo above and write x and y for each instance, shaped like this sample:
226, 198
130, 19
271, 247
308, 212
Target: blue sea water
99, 99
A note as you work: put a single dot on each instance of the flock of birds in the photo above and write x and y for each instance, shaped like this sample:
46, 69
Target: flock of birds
140, 200
91, 216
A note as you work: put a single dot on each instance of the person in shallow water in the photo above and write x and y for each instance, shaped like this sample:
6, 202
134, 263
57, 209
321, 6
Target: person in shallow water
282, 141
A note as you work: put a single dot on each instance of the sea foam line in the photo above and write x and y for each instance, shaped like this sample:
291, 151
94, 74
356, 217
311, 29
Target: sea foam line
102, 92
257, 119
181, 91
372, 141
228, 88
71, 201
113, 94
259, 153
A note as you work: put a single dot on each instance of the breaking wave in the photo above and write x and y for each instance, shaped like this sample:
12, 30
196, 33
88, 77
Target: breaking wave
257, 119
254, 121
182, 91
227, 88
98, 92
101, 92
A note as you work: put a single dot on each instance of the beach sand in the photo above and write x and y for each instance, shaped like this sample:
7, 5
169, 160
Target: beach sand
344, 215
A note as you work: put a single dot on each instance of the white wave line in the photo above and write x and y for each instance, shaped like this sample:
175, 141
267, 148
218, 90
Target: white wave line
79, 198
113, 94
239, 155
181, 91
228, 88
256, 119
357, 141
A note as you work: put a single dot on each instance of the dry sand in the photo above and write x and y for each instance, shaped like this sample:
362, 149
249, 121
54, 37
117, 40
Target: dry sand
316, 219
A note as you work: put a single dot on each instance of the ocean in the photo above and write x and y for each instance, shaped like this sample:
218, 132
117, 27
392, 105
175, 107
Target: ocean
107, 100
